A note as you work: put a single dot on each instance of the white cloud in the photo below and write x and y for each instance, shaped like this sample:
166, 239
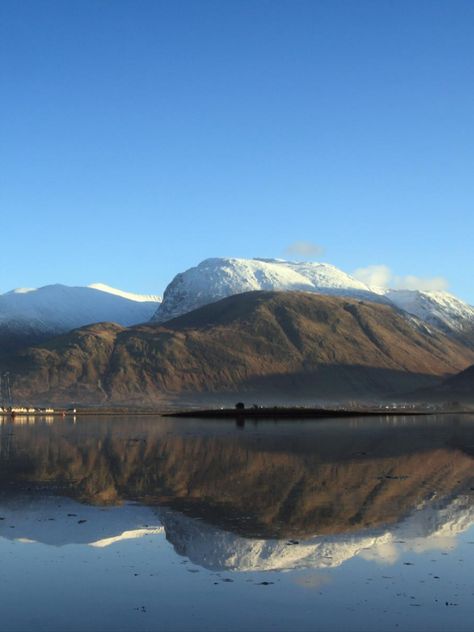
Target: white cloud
411, 282
381, 276
374, 276
304, 249
390, 552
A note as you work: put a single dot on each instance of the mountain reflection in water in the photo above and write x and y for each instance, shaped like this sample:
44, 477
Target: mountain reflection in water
270, 496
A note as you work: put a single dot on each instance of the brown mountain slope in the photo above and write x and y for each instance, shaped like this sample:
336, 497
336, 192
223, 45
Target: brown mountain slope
279, 346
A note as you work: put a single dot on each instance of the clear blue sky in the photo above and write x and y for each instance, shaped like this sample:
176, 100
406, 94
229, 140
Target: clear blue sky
138, 137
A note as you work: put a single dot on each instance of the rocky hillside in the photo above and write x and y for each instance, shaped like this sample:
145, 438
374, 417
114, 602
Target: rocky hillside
267, 346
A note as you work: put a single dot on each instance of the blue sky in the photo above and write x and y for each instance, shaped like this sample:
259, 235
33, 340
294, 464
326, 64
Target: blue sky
139, 137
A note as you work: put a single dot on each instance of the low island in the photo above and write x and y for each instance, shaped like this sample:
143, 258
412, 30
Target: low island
296, 412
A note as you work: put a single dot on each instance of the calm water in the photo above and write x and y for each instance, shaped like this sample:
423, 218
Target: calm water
150, 524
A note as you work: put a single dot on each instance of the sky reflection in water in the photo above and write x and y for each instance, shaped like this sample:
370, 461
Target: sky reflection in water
142, 523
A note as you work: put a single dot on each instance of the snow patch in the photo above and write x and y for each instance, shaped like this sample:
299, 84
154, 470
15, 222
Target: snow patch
59, 308
139, 298
441, 309
217, 278
426, 528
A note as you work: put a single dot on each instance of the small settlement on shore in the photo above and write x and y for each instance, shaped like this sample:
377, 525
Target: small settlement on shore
16, 411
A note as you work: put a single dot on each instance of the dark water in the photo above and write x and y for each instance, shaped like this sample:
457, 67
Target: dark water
142, 523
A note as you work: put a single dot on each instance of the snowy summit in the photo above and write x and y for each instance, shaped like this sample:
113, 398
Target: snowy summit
60, 308
214, 279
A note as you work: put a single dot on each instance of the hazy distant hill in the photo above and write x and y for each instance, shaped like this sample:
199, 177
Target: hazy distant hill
31, 315
267, 346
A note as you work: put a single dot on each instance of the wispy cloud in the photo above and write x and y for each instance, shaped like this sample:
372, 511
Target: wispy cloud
374, 276
411, 282
303, 250
382, 276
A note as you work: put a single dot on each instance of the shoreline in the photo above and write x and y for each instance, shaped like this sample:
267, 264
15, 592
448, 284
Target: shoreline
292, 413
263, 412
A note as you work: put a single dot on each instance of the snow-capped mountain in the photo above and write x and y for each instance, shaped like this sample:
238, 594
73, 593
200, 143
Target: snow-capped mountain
441, 309
214, 279
53, 521
60, 308
220, 550
47, 521
55, 309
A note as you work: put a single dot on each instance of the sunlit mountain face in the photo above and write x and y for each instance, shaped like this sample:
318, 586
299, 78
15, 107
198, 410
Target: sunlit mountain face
269, 347
266, 496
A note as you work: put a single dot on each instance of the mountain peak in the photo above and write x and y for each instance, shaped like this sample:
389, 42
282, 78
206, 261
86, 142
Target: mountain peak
30, 314
217, 278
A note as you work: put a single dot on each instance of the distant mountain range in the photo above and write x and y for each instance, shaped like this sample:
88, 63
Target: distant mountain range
30, 315
53, 309
270, 328
270, 346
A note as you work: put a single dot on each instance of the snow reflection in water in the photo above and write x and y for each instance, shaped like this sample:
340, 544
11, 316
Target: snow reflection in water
358, 525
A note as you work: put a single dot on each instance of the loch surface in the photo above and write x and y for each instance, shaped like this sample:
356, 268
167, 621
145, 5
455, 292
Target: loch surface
147, 523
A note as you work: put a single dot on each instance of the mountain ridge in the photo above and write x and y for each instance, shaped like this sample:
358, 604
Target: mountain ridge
283, 345
217, 278
29, 315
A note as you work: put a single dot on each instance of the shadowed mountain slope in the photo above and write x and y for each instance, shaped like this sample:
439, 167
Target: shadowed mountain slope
281, 346
462, 382
458, 388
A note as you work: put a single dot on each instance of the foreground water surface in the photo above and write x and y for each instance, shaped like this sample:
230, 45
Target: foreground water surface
144, 523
